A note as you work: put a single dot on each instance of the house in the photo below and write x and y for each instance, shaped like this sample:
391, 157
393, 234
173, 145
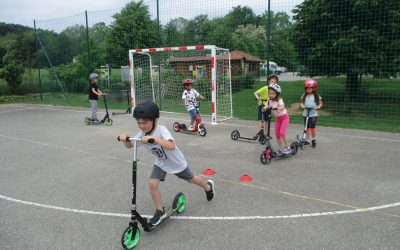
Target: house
198, 67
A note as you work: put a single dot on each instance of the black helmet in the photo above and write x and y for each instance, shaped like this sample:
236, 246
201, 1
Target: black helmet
146, 109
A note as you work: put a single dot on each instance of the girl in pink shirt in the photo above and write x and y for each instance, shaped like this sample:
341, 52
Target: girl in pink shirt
281, 116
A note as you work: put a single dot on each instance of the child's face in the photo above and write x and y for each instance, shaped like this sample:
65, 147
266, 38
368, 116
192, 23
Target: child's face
188, 86
272, 80
146, 125
95, 80
271, 94
309, 90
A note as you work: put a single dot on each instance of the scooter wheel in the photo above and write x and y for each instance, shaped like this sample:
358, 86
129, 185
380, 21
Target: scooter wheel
265, 157
202, 130
263, 139
130, 237
235, 135
179, 202
108, 122
294, 147
177, 127
87, 121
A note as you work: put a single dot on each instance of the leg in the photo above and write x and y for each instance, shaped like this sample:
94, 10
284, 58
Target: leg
93, 104
313, 123
208, 186
197, 180
157, 175
277, 126
192, 114
283, 128
155, 193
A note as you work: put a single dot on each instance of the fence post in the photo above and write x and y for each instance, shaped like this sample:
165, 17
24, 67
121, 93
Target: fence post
87, 44
38, 61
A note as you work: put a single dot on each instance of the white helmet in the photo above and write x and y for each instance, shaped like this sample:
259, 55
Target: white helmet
275, 87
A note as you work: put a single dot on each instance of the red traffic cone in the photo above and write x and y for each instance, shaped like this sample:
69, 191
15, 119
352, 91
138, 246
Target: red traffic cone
245, 178
208, 171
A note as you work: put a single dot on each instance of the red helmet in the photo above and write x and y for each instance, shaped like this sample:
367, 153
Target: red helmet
187, 82
310, 83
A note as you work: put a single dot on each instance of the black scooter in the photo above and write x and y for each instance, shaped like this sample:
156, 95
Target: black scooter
128, 110
131, 235
268, 154
260, 136
106, 120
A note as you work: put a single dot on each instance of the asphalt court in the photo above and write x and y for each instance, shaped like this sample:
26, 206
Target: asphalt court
65, 185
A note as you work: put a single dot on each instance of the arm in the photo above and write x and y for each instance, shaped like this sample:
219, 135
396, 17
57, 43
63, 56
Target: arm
167, 144
98, 93
128, 144
320, 104
302, 105
280, 105
257, 95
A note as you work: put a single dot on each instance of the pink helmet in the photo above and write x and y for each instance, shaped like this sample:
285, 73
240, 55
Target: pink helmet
310, 83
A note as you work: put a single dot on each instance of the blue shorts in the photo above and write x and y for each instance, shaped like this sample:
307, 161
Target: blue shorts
262, 115
192, 114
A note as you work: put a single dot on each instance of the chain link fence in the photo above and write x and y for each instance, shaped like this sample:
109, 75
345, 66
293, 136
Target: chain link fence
351, 48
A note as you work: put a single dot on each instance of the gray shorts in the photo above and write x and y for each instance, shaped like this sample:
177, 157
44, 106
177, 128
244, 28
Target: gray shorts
159, 174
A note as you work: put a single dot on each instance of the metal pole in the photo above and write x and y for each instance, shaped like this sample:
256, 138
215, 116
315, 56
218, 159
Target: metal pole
38, 61
269, 37
87, 42
158, 45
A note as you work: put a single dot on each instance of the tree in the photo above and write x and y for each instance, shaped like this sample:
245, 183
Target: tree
174, 32
132, 28
240, 16
251, 39
12, 70
348, 37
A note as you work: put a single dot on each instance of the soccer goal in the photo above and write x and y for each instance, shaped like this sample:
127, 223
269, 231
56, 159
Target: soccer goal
157, 73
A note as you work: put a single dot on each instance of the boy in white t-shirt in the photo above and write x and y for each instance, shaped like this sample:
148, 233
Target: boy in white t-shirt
169, 158
190, 97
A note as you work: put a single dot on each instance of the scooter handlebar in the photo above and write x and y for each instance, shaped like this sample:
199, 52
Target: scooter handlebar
151, 140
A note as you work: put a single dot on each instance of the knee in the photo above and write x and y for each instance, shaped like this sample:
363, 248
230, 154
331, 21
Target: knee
153, 184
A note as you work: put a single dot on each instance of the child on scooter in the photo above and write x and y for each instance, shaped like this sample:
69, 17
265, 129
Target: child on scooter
94, 93
190, 97
262, 96
276, 104
313, 101
169, 158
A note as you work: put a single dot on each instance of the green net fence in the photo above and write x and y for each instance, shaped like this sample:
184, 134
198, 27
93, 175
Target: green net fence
351, 48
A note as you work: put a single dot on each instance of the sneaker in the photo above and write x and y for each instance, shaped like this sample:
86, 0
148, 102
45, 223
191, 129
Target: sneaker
157, 218
306, 143
190, 128
314, 143
210, 194
286, 150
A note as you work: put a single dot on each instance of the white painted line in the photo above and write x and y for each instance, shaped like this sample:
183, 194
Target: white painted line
340, 212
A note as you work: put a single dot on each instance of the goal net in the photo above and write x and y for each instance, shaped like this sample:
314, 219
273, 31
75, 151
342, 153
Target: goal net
157, 74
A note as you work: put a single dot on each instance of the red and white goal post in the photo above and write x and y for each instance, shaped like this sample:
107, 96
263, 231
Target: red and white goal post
157, 74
